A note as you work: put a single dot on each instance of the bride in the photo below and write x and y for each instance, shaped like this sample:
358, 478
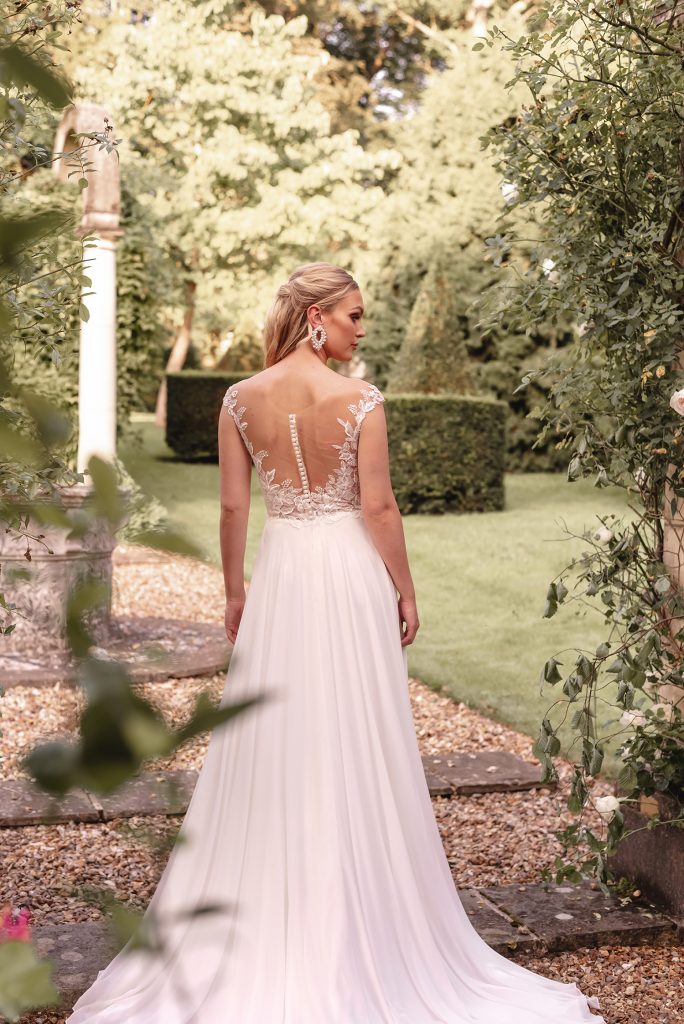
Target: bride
311, 886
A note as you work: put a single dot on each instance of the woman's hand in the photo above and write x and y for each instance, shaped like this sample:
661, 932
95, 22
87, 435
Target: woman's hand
408, 620
234, 608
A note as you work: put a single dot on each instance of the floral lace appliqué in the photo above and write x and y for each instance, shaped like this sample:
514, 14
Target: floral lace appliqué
340, 495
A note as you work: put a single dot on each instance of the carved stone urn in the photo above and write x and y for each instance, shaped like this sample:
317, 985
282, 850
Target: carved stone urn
38, 575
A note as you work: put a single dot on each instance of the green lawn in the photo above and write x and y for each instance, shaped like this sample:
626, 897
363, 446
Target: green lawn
481, 579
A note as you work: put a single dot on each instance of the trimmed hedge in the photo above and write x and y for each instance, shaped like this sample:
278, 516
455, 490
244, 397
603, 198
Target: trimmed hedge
193, 404
447, 452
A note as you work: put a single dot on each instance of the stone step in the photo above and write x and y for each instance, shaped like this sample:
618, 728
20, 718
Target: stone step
510, 918
567, 917
168, 792
163, 792
151, 649
463, 772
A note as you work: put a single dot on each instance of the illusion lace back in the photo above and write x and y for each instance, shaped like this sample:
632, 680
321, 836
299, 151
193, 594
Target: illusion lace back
311, 885
306, 460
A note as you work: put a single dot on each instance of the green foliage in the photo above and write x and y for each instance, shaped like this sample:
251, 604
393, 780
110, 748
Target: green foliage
445, 197
146, 285
25, 981
433, 357
446, 453
119, 732
443, 205
229, 148
37, 301
194, 404
381, 53
41, 270
595, 152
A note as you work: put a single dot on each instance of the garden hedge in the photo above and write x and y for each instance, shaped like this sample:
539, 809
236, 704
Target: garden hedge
193, 404
447, 452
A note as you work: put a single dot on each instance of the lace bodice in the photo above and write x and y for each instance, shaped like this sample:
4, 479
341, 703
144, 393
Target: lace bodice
310, 467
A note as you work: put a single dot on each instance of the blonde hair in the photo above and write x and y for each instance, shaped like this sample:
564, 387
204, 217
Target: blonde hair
322, 284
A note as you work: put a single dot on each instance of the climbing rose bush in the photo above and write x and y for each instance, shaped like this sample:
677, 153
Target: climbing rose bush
591, 235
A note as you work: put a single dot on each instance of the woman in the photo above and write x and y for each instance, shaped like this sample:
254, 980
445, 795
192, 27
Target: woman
312, 846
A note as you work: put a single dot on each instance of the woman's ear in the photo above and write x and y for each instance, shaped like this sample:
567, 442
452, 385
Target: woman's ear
314, 314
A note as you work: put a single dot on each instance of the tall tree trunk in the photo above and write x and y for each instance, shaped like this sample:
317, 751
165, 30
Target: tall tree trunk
178, 353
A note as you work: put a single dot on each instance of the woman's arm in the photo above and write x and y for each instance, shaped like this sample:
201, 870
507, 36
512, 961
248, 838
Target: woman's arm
235, 476
382, 517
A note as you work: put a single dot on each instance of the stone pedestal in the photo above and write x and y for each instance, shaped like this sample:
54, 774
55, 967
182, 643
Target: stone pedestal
40, 586
653, 858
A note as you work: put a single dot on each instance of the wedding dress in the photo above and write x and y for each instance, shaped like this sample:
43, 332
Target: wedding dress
311, 825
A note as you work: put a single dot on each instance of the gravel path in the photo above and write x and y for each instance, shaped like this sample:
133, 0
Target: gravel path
489, 839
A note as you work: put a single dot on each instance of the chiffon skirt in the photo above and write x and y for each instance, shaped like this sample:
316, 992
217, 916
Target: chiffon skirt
311, 833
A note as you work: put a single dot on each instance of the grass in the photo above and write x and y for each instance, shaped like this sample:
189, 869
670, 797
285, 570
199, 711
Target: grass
481, 579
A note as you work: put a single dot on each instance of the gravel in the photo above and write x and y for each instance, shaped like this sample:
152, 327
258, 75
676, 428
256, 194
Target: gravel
489, 839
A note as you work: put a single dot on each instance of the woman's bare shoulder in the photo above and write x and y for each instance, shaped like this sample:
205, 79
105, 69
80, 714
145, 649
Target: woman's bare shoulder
255, 381
367, 387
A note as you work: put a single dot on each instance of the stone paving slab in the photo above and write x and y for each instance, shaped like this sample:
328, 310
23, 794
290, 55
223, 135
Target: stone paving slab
567, 917
23, 803
438, 786
563, 918
461, 773
169, 792
495, 927
77, 951
151, 648
166, 792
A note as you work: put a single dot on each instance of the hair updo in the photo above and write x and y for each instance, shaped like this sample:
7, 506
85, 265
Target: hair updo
321, 284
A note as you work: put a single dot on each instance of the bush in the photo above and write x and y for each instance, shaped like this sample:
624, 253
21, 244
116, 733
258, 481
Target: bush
433, 358
193, 407
447, 452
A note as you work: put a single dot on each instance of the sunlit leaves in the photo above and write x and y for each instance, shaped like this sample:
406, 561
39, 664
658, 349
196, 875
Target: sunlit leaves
595, 154
19, 67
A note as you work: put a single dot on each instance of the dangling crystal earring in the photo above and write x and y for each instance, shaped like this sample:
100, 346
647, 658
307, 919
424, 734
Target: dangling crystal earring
318, 337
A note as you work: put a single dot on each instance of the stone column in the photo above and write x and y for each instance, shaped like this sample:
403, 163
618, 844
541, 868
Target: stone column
100, 221
97, 357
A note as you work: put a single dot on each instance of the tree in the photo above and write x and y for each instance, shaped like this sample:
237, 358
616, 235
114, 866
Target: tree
445, 200
228, 146
445, 196
433, 357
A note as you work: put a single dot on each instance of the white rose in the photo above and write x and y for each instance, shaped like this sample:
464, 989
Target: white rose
548, 266
603, 535
607, 806
677, 402
667, 709
509, 191
640, 477
632, 718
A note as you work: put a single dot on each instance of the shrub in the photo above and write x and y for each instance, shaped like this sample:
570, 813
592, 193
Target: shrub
194, 404
447, 452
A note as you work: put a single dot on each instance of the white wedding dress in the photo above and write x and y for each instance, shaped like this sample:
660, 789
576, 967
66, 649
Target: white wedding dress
311, 824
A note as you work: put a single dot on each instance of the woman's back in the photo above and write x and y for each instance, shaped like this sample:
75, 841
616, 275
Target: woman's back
302, 432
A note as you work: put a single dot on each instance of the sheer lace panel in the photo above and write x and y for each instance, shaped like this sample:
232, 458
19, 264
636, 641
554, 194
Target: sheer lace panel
305, 455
